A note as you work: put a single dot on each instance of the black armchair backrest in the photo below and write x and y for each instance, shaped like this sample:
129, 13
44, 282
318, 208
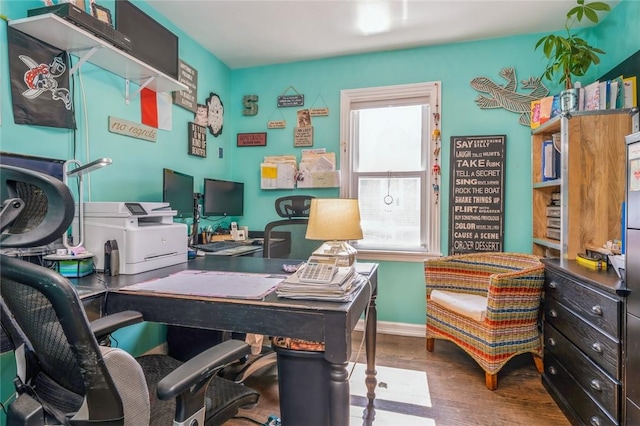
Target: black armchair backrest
36, 208
294, 206
286, 238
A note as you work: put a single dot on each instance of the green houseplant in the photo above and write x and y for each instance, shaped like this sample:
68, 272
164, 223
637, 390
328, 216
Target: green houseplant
571, 55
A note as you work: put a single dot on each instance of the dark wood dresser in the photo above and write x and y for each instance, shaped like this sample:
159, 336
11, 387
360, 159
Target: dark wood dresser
584, 329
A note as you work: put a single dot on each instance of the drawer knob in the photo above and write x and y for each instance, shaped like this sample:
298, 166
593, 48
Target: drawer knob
595, 421
551, 341
595, 385
552, 370
552, 313
552, 285
597, 347
597, 310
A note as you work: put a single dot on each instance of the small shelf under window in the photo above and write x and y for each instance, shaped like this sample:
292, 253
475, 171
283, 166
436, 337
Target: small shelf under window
87, 47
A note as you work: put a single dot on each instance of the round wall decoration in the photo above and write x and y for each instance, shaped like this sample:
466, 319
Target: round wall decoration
216, 114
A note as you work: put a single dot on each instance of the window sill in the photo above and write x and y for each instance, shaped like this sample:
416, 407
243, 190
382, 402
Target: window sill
396, 256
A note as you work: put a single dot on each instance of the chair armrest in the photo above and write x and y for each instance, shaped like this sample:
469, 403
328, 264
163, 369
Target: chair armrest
106, 325
201, 368
517, 292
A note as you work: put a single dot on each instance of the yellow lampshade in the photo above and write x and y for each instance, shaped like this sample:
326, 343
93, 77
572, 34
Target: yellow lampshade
336, 219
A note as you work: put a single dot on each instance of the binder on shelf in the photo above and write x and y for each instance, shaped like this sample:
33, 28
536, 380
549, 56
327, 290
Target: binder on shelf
550, 161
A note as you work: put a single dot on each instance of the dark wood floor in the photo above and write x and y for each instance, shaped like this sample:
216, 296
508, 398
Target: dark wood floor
456, 388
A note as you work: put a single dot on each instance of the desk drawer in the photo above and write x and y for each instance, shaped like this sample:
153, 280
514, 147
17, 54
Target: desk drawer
564, 384
600, 347
596, 382
599, 308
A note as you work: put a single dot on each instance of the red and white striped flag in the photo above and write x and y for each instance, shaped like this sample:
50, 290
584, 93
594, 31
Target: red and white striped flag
155, 109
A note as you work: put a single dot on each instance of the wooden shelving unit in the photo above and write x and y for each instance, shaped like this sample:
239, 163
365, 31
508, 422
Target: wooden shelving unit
591, 184
87, 47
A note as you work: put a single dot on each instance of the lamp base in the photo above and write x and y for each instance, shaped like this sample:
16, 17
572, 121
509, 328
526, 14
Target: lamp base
342, 251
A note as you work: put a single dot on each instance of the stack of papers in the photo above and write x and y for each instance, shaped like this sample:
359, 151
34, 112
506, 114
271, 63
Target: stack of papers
341, 290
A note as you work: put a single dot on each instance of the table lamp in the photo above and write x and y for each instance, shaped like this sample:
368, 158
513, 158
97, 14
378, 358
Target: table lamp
78, 172
335, 221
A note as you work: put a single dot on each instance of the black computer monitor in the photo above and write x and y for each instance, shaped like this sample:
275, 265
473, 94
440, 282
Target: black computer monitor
223, 198
177, 190
49, 166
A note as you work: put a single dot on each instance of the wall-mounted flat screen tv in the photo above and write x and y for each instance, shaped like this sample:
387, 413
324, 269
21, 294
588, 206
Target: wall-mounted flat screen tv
223, 198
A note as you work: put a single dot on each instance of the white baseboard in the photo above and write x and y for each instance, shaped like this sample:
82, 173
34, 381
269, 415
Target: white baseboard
397, 328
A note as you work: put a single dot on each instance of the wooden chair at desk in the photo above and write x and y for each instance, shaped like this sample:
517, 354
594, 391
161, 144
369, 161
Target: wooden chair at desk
68, 378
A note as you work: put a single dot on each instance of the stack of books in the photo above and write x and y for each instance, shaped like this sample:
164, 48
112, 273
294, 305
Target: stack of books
553, 217
609, 94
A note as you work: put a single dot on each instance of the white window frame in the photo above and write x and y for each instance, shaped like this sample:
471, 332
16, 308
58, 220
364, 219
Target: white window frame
431, 208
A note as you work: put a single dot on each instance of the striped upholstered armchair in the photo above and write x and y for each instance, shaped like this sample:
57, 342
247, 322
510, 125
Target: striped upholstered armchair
487, 304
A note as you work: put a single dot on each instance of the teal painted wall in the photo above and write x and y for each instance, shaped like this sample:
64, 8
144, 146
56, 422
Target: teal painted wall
136, 172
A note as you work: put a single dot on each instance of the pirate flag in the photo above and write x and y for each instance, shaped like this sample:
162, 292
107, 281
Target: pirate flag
39, 82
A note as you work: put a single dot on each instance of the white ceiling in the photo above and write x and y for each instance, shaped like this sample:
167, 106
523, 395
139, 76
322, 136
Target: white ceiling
248, 33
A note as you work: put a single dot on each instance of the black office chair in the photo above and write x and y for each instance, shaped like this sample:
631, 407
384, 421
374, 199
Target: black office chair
285, 238
68, 378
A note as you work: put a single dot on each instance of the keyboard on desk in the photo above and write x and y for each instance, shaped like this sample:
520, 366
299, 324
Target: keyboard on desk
227, 248
215, 246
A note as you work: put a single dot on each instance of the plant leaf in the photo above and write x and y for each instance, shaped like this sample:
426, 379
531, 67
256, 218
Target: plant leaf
598, 5
591, 15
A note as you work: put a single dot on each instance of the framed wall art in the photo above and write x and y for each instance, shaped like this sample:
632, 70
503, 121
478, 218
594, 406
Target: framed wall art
101, 13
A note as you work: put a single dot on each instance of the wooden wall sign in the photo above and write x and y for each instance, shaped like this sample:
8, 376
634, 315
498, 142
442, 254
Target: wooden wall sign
303, 136
319, 112
197, 140
476, 204
131, 129
276, 124
187, 98
252, 139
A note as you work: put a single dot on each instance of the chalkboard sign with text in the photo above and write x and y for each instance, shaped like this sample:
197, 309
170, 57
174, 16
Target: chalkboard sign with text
187, 98
476, 205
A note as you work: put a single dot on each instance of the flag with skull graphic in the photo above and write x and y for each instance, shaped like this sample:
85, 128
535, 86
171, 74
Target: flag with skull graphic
39, 82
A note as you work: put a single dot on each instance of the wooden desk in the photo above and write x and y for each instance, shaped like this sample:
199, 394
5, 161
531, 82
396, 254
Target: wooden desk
330, 322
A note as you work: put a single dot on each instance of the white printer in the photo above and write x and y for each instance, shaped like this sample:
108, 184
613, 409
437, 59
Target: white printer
146, 236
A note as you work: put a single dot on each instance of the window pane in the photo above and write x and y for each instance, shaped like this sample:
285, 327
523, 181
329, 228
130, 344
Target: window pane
390, 139
390, 211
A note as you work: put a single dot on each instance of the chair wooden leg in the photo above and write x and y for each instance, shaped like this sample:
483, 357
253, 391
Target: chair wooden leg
491, 381
430, 344
539, 363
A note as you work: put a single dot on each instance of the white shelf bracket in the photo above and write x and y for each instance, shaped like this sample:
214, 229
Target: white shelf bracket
142, 86
84, 58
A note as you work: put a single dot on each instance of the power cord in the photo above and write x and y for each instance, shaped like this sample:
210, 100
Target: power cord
273, 420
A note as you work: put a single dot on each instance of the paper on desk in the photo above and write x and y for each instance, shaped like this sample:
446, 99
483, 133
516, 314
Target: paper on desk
235, 285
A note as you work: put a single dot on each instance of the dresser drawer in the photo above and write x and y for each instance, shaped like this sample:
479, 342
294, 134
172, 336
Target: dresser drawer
596, 382
600, 347
567, 389
601, 309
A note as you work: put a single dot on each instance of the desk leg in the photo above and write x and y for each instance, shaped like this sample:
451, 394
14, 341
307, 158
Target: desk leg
370, 345
339, 393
